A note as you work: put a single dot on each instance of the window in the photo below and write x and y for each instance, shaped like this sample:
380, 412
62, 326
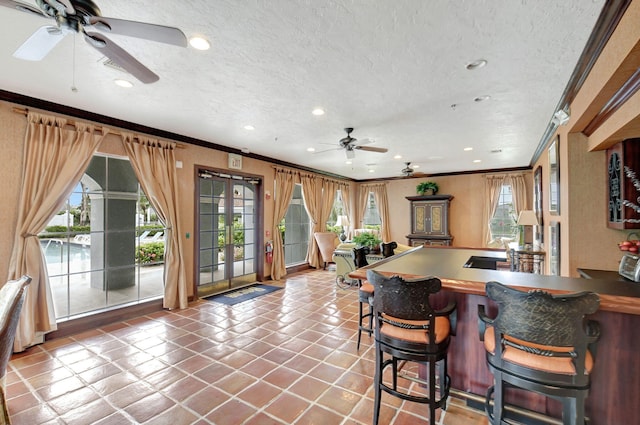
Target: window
295, 228
503, 223
105, 248
336, 211
371, 214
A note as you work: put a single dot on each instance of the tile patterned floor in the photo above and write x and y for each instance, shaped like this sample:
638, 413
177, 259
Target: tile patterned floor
288, 357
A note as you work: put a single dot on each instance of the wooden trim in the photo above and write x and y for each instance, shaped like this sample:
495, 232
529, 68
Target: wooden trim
94, 321
608, 20
138, 128
624, 93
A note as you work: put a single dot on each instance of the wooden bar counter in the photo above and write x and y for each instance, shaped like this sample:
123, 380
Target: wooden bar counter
614, 394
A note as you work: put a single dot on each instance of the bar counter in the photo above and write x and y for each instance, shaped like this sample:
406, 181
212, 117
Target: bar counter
614, 393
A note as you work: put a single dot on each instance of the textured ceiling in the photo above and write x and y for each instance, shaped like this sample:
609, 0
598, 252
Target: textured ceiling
390, 69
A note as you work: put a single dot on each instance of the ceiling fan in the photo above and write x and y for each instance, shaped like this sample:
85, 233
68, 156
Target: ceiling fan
83, 16
409, 171
350, 145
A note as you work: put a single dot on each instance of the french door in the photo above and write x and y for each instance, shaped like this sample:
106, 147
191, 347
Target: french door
227, 233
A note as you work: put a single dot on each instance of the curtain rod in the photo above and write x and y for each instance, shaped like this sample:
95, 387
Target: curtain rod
25, 111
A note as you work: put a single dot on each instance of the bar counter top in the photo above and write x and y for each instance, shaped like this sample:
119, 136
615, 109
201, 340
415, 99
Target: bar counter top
447, 263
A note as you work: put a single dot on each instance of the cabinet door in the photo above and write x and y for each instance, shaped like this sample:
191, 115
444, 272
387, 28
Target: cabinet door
620, 187
430, 218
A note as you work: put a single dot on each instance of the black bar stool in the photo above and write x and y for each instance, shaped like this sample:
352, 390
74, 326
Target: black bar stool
408, 329
365, 294
540, 342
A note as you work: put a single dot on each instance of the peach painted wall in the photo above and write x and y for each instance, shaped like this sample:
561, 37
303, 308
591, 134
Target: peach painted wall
465, 214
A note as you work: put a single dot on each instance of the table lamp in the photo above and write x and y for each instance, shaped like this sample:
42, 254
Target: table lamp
342, 221
526, 218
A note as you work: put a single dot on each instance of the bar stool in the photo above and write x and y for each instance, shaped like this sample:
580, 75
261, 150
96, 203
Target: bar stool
365, 294
408, 329
540, 342
387, 248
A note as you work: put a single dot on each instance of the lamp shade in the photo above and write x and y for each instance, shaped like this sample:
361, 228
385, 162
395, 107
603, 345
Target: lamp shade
343, 220
527, 218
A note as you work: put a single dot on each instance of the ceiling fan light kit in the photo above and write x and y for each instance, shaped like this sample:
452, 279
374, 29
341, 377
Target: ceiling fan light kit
83, 15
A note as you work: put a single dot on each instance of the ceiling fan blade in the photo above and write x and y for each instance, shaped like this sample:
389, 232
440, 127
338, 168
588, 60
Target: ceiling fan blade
326, 150
371, 149
22, 7
40, 43
361, 142
68, 7
159, 33
121, 57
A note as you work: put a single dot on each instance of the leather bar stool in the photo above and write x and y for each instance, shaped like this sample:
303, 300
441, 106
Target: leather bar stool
542, 343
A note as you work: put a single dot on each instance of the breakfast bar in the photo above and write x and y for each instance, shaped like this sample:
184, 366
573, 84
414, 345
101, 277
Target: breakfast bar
613, 395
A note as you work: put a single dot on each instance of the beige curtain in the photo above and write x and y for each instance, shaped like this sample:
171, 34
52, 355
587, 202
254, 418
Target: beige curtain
55, 157
519, 192
363, 202
345, 194
312, 196
382, 202
329, 192
155, 166
283, 188
492, 188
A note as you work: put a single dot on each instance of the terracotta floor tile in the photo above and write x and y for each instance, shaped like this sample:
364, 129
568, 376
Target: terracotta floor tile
149, 407
113, 383
287, 407
235, 382
259, 394
318, 415
206, 400
282, 377
232, 412
73, 400
288, 357
183, 389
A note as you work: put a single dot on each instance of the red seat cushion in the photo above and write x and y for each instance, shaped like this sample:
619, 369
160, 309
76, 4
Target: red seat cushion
562, 365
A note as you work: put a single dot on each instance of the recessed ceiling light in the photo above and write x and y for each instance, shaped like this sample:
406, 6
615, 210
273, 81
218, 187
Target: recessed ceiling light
397, 157
468, 149
348, 161
199, 43
415, 166
318, 111
123, 83
371, 170
311, 149
477, 64
249, 127
482, 98
477, 160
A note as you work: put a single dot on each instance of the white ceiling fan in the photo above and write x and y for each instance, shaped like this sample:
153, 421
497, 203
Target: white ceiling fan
84, 16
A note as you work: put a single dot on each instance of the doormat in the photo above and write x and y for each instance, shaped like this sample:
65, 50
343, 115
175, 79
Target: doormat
243, 294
